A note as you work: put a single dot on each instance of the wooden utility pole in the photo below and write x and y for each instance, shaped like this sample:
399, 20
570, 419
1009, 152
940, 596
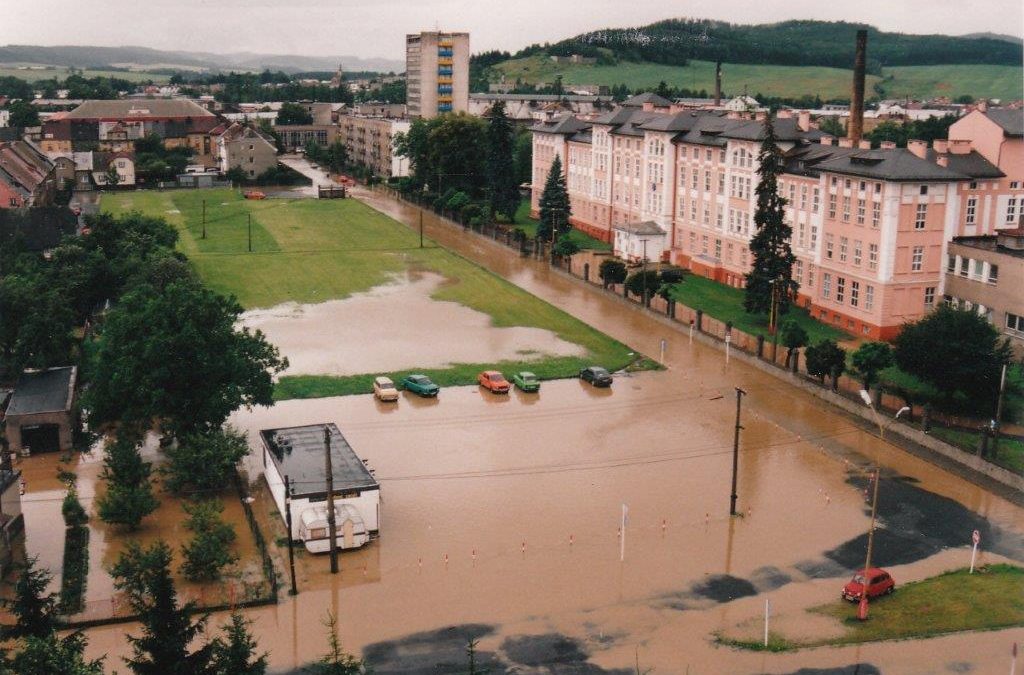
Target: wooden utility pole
421, 227
204, 219
736, 451
288, 521
250, 232
332, 527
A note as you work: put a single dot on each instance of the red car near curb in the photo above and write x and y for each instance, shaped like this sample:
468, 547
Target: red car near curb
880, 582
494, 381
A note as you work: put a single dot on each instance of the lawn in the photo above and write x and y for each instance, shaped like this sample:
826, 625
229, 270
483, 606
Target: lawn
957, 601
529, 225
726, 304
996, 81
307, 250
1010, 450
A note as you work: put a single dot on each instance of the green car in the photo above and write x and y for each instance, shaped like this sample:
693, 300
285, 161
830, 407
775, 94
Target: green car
526, 381
421, 385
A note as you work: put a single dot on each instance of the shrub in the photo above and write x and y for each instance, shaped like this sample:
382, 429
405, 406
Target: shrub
673, 275
72, 509
638, 281
208, 553
612, 271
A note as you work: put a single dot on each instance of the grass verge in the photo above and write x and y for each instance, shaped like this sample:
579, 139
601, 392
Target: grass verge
953, 602
725, 303
76, 569
529, 225
1009, 452
459, 374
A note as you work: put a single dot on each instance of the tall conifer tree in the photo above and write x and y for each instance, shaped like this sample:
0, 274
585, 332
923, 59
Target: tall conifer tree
502, 190
773, 257
555, 208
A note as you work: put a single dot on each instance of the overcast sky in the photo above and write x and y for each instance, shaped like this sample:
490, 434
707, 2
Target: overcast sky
376, 28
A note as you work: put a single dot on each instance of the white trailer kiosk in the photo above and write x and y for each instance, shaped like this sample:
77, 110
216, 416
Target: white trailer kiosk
299, 454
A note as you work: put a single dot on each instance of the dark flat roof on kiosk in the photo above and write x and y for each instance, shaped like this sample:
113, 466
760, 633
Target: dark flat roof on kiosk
298, 452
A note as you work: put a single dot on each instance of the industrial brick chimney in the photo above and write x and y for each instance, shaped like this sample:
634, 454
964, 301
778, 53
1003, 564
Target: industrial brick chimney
856, 126
718, 83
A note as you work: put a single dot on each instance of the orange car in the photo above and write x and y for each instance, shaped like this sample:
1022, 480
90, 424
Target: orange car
255, 194
494, 381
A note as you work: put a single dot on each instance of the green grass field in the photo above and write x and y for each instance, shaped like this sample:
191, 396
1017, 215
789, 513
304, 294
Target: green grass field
1004, 82
1010, 451
989, 599
60, 72
306, 250
726, 304
529, 225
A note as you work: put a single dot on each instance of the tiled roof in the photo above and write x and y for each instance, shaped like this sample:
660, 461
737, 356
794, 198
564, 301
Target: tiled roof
42, 391
898, 164
1010, 119
567, 125
140, 109
971, 164
639, 100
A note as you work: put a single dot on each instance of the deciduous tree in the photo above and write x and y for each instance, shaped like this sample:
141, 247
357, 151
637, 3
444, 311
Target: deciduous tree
870, 359
959, 353
793, 338
612, 271
826, 359
204, 461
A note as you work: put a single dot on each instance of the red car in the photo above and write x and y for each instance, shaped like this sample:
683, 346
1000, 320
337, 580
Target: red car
494, 381
879, 583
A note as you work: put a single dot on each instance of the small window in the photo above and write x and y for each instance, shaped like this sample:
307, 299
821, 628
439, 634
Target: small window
924, 189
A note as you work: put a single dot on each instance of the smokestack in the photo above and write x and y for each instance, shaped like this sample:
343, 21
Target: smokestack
718, 83
856, 128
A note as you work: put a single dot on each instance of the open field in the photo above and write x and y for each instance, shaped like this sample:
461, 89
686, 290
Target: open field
771, 80
309, 251
726, 304
61, 72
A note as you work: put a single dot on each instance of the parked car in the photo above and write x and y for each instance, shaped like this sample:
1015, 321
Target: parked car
255, 194
597, 376
494, 381
421, 385
526, 381
384, 389
879, 582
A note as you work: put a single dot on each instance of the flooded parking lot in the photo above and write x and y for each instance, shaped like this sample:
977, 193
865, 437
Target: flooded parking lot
397, 325
501, 516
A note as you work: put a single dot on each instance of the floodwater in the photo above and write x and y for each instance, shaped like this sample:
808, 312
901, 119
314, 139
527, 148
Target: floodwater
394, 326
501, 516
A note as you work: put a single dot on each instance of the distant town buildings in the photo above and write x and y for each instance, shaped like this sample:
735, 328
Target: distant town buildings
871, 227
437, 73
530, 108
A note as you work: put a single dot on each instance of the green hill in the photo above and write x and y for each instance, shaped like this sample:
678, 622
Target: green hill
988, 81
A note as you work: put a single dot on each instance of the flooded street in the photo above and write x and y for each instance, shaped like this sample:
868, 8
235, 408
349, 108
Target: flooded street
397, 325
501, 516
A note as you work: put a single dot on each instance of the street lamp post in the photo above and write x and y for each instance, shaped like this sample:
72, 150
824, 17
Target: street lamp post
643, 271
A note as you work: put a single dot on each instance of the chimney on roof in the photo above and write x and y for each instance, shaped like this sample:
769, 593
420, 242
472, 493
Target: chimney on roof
846, 142
718, 83
864, 144
960, 147
940, 145
784, 114
983, 105
888, 145
803, 120
760, 116
827, 140
856, 128
942, 160
919, 148
733, 115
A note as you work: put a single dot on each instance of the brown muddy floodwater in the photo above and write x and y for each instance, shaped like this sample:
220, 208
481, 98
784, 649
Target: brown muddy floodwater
501, 517
394, 326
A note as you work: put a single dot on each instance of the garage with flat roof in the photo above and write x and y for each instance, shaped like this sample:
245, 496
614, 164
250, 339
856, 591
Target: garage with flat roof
40, 412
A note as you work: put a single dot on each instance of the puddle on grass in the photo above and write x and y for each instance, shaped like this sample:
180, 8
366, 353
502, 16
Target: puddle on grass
395, 326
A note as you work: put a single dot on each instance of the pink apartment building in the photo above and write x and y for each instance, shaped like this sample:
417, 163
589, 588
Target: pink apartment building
870, 226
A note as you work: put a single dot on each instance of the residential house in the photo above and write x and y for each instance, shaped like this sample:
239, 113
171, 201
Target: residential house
122, 162
27, 176
240, 146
